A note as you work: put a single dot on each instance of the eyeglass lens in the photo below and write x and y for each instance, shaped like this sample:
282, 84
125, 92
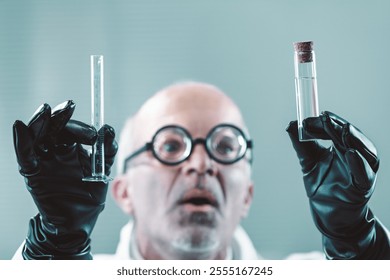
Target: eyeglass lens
172, 145
224, 143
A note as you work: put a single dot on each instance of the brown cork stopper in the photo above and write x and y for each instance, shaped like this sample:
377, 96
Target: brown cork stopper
304, 51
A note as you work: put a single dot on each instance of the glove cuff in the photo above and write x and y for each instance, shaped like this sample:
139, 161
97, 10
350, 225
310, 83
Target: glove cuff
38, 246
373, 245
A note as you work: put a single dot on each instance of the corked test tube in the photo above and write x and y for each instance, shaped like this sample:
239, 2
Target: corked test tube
305, 85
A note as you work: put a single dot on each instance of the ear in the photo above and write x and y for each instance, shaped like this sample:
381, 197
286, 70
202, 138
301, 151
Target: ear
247, 200
122, 194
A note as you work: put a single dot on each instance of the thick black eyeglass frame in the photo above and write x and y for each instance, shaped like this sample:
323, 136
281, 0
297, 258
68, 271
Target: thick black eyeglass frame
149, 145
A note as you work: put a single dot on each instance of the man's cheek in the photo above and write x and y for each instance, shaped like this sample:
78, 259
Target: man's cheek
236, 180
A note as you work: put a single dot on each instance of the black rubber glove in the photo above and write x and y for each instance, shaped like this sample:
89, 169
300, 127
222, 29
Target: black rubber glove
339, 182
53, 162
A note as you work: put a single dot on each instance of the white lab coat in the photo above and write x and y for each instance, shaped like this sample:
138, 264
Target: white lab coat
241, 249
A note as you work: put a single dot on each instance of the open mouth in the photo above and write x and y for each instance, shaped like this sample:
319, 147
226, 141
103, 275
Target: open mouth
199, 199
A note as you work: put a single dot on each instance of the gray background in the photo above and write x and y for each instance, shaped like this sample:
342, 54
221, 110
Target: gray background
244, 47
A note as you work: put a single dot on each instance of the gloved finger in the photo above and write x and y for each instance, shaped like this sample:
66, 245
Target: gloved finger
314, 127
24, 149
362, 174
39, 122
327, 126
308, 152
77, 132
353, 138
60, 116
343, 135
336, 127
110, 145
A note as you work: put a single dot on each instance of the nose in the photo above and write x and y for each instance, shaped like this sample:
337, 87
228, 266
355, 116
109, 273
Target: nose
199, 162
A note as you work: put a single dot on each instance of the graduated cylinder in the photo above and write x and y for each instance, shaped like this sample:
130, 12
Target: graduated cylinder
97, 119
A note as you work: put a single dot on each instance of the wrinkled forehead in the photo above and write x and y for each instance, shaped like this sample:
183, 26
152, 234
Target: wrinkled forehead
198, 108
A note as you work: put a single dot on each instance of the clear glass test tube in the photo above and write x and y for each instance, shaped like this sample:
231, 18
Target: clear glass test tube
305, 85
97, 120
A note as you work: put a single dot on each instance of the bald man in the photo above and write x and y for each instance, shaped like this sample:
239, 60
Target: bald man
184, 166
193, 169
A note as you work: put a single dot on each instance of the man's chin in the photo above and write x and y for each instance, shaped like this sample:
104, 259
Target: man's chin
197, 242
196, 234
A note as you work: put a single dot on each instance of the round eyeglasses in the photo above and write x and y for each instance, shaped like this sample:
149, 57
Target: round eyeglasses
173, 144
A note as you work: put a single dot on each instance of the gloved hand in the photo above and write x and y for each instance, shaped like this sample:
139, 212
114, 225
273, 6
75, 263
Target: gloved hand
339, 182
53, 162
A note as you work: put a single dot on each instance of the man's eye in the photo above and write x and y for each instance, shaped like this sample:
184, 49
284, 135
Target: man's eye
224, 148
172, 146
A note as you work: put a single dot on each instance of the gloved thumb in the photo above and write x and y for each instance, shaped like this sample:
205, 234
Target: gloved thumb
110, 145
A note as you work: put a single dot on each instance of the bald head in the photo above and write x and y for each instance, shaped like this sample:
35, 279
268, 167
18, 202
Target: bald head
198, 107
187, 98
